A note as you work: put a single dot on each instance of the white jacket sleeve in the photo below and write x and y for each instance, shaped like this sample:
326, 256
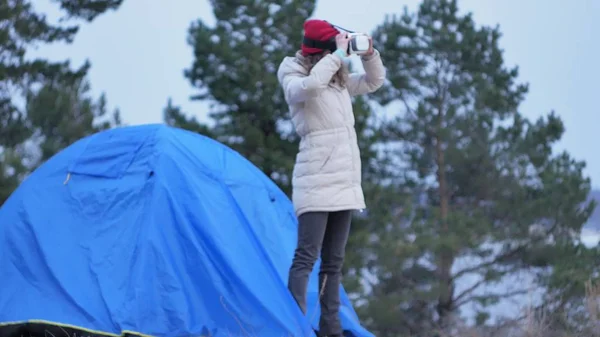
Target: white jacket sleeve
298, 88
371, 80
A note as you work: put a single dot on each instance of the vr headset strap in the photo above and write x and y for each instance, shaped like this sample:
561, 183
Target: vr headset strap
324, 45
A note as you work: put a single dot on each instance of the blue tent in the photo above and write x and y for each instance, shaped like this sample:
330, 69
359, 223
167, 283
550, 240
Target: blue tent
152, 230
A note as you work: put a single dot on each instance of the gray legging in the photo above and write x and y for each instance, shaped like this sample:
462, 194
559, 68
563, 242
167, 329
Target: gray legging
325, 232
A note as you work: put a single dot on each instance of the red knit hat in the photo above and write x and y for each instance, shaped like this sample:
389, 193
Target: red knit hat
318, 30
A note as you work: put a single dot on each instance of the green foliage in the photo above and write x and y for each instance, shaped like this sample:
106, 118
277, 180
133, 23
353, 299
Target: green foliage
12, 171
60, 114
173, 116
481, 181
374, 173
87, 9
22, 77
22, 28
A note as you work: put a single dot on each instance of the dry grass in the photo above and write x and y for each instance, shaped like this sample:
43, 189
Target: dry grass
536, 324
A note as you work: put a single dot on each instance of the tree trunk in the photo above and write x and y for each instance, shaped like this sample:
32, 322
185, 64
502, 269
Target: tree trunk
446, 255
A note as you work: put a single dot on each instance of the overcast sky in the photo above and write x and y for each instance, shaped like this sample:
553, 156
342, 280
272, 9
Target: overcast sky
139, 52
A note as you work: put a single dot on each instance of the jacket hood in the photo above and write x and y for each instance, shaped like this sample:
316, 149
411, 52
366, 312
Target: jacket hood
291, 65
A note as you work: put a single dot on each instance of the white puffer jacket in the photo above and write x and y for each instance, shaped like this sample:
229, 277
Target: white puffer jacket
327, 173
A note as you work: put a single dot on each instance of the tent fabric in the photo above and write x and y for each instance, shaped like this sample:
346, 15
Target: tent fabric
157, 231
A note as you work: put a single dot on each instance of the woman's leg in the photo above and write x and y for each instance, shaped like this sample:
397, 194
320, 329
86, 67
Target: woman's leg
311, 230
330, 275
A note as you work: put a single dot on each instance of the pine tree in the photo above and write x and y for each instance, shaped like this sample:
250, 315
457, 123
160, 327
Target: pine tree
22, 28
62, 113
235, 64
483, 180
380, 183
173, 116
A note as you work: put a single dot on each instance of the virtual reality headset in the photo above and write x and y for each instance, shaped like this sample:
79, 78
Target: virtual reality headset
358, 44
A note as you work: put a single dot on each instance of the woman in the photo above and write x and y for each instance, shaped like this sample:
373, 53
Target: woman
327, 174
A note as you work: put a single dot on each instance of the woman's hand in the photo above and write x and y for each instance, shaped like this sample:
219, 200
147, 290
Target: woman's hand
371, 51
341, 42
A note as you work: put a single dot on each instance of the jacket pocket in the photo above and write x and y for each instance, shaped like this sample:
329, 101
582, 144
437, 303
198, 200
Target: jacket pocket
327, 158
313, 160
